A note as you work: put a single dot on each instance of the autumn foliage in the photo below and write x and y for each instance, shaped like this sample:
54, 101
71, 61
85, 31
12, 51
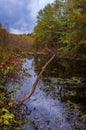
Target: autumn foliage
62, 26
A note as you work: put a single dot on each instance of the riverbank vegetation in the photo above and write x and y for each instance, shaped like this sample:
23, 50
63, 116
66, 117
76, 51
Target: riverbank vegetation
11, 43
61, 27
11, 48
60, 30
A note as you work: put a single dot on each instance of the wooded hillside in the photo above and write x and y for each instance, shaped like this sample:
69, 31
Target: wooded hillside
62, 26
11, 43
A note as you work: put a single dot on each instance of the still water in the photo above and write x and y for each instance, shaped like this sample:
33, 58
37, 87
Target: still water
59, 101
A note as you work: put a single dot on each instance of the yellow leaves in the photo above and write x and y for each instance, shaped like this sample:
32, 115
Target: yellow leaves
6, 122
7, 114
10, 104
5, 110
0, 120
12, 99
7, 117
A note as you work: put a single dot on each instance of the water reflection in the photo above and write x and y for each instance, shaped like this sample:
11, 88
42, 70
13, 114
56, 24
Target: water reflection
65, 79
59, 100
63, 68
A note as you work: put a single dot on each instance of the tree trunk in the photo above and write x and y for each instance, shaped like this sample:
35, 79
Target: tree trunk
36, 81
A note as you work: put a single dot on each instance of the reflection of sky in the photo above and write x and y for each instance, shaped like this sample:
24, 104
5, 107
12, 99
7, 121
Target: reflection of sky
19, 16
43, 108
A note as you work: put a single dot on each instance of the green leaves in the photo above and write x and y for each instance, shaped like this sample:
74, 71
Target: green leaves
2, 87
75, 20
49, 26
61, 24
6, 122
7, 117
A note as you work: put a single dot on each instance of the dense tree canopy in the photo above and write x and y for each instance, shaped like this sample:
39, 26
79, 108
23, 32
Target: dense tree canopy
60, 24
76, 24
49, 25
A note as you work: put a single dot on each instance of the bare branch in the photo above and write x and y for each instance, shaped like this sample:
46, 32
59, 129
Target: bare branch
36, 81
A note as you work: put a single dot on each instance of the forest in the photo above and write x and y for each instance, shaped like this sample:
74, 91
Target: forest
57, 44
61, 26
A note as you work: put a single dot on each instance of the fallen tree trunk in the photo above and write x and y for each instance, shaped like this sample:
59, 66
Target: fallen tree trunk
36, 81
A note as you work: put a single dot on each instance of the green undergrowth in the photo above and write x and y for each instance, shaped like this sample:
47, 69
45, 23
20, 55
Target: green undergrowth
10, 115
7, 111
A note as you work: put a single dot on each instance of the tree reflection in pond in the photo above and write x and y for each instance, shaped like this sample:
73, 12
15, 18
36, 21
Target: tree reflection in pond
66, 79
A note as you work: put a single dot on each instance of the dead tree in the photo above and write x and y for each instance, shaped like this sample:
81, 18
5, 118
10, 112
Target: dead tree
36, 81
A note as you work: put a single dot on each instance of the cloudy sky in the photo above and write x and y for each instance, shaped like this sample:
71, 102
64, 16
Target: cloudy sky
19, 16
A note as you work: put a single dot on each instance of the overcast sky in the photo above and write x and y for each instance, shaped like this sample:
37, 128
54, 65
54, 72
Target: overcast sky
19, 16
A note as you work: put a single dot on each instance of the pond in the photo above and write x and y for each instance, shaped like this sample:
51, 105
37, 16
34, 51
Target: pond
59, 101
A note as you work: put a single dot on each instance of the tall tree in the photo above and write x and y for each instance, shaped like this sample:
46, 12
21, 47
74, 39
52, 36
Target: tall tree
76, 24
62, 23
49, 25
4, 36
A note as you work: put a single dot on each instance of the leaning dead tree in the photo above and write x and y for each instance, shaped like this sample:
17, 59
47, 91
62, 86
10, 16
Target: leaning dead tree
36, 81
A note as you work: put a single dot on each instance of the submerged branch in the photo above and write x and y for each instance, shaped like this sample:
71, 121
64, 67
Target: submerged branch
36, 81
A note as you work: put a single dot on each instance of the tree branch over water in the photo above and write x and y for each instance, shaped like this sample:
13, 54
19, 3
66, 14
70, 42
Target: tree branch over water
36, 81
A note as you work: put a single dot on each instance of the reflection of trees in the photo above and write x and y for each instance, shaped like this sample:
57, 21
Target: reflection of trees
70, 74
39, 61
63, 68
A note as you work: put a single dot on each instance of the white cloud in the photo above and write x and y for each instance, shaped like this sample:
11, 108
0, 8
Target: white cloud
21, 14
21, 27
15, 31
34, 7
44, 2
23, 30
